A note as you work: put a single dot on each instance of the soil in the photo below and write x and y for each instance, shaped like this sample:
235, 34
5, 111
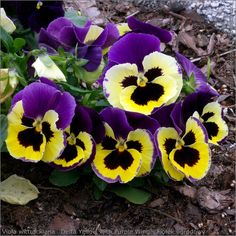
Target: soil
74, 211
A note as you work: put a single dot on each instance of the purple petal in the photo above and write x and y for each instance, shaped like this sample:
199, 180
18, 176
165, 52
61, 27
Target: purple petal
94, 57
163, 116
98, 130
190, 68
101, 39
48, 82
195, 102
17, 98
55, 27
67, 36
141, 27
140, 121
112, 36
132, 48
177, 118
117, 120
37, 99
65, 108
48, 40
81, 33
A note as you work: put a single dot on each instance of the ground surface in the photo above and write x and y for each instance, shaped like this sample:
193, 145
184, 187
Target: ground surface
206, 208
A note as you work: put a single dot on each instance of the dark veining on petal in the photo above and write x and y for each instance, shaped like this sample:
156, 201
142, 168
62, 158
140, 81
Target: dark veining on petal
212, 129
80, 143
134, 145
109, 143
115, 159
30, 137
169, 145
69, 153
46, 129
153, 73
151, 92
207, 115
27, 121
129, 80
187, 156
189, 138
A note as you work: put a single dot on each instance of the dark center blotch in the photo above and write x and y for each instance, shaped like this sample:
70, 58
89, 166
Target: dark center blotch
109, 143
115, 159
207, 115
187, 156
151, 92
189, 138
212, 129
134, 145
153, 73
46, 129
30, 137
129, 81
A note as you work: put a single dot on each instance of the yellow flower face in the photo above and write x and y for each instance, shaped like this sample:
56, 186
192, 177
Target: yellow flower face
33, 140
121, 160
188, 156
160, 83
212, 120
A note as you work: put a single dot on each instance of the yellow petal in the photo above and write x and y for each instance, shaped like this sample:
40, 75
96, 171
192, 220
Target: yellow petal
166, 140
140, 140
146, 99
113, 81
93, 33
168, 66
54, 137
123, 28
215, 125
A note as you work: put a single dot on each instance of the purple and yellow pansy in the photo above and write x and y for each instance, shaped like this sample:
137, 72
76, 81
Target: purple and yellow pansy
186, 155
125, 152
39, 114
141, 80
80, 145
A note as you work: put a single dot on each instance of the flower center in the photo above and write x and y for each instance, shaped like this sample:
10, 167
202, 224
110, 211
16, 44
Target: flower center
71, 139
38, 124
121, 146
39, 5
179, 144
142, 80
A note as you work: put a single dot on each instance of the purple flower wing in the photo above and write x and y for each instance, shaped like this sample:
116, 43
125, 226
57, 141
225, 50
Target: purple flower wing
139, 26
140, 121
117, 120
94, 57
132, 48
112, 36
55, 27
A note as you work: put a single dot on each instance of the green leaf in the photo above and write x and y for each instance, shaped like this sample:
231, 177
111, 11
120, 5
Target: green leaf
97, 193
3, 129
6, 40
73, 16
134, 195
19, 43
62, 179
101, 185
137, 182
73, 89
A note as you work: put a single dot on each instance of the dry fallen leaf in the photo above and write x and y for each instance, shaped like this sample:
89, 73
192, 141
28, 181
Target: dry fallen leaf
190, 42
17, 190
212, 201
187, 191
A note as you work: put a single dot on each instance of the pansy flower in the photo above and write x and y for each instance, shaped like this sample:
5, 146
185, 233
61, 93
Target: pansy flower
141, 80
89, 41
80, 145
194, 78
186, 155
209, 112
39, 114
126, 150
